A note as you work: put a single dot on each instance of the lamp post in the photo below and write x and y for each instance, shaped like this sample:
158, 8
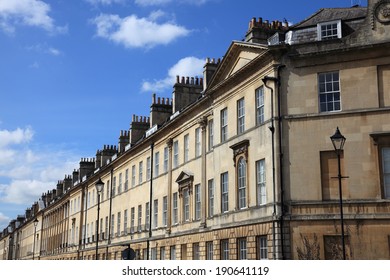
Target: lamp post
338, 141
99, 187
35, 233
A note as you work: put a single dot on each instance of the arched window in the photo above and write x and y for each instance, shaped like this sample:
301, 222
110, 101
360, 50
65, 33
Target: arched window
240, 159
241, 179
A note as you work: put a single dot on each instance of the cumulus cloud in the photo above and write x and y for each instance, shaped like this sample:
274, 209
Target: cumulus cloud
135, 32
187, 67
25, 191
27, 171
26, 12
16, 136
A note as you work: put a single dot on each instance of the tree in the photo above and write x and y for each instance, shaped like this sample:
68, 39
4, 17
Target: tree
310, 251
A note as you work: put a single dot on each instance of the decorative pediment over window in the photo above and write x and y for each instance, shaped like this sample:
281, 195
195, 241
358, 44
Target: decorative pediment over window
185, 180
241, 148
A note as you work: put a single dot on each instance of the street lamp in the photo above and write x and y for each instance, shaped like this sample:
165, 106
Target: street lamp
338, 141
99, 187
35, 233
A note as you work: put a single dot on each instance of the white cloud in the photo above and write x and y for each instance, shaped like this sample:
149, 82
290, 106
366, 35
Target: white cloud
155, 15
25, 191
44, 48
17, 136
185, 67
26, 12
3, 220
152, 2
135, 32
26, 172
54, 51
105, 2
164, 2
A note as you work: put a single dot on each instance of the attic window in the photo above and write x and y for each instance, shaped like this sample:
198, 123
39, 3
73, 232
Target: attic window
329, 30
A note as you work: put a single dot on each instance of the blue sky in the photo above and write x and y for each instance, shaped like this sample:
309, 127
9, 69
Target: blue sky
73, 72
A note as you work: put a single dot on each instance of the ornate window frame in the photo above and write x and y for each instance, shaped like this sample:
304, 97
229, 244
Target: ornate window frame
240, 153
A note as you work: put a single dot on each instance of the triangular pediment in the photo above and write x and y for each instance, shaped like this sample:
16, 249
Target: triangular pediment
243, 59
184, 177
237, 58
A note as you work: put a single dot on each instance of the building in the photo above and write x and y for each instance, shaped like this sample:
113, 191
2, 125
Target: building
239, 163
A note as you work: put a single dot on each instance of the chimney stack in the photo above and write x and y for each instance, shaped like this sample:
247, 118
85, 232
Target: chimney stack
209, 69
259, 31
186, 91
124, 140
160, 110
138, 126
87, 166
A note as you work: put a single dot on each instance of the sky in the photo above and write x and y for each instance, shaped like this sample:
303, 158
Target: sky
73, 72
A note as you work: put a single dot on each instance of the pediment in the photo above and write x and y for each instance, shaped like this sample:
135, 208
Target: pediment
243, 59
184, 177
237, 58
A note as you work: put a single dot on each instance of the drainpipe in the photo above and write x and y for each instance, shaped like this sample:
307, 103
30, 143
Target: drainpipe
109, 215
281, 178
203, 126
272, 129
85, 218
277, 82
150, 201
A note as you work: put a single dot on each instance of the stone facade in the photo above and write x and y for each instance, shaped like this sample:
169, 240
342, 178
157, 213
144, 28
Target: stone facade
239, 164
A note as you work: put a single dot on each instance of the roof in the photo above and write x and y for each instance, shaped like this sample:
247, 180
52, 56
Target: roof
329, 14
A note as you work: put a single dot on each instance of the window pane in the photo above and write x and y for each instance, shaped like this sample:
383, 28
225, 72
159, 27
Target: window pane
225, 192
260, 105
242, 251
261, 190
329, 87
224, 249
262, 247
329, 94
241, 183
224, 123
